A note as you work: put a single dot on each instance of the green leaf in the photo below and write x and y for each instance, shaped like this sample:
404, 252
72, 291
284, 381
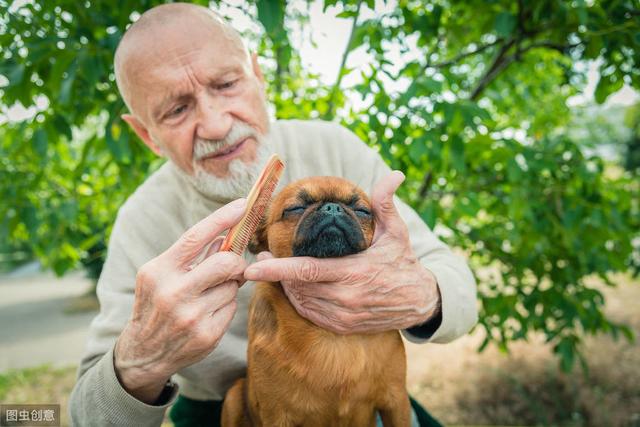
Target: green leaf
14, 74
92, 68
409, 94
457, 153
69, 210
271, 15
417, 149
30, 218
504, 24
429, 213
117, 139
62, 126
566, 350
606, 86
582, 12
346, 14
40, 142
429, 85
628, 333
328, 3
67, 84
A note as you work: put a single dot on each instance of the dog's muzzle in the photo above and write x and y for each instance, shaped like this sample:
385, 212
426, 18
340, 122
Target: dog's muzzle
328, 232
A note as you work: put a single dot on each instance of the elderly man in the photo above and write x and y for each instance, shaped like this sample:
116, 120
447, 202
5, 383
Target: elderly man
172, 308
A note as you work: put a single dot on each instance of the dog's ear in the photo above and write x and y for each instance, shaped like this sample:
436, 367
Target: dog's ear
259, 242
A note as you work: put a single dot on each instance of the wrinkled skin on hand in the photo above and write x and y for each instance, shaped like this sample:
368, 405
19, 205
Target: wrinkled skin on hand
182, 307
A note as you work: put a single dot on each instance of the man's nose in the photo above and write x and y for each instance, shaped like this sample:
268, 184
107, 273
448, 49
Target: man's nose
214, 121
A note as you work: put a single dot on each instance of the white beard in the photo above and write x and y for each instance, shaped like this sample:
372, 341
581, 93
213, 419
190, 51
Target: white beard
241, 175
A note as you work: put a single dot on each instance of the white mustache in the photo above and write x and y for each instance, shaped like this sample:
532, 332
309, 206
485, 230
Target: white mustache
238, 132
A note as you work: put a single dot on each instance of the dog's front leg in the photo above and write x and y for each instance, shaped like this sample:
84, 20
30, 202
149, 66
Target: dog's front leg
396, 413
234, 407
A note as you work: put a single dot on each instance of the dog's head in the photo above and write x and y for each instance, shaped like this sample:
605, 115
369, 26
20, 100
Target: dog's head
319, 216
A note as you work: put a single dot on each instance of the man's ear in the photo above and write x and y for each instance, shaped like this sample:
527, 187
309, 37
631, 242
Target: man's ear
256, 67
141, 130
259, 241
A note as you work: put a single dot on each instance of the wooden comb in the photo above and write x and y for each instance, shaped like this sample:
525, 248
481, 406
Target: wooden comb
239, 235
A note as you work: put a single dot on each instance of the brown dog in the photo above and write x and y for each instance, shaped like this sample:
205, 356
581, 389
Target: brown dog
299, 374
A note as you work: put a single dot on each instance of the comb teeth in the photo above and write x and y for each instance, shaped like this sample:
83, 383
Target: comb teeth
238, 237
252, 220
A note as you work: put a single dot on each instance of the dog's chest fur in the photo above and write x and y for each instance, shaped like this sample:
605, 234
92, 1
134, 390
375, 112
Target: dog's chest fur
290, 350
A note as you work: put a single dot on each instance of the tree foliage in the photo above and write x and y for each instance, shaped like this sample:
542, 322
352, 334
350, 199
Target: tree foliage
467, 98
632, 121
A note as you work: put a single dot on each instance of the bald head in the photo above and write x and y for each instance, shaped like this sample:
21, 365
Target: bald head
162, 30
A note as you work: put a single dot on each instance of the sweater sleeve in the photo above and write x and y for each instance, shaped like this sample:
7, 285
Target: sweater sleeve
364, 166
98, 398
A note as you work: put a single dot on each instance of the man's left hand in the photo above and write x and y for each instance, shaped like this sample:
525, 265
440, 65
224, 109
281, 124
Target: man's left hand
382, 288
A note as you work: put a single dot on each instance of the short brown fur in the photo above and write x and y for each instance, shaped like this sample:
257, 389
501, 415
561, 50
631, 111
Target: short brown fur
298, 373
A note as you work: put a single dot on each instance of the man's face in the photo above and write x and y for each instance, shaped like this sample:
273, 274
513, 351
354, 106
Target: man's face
199, 99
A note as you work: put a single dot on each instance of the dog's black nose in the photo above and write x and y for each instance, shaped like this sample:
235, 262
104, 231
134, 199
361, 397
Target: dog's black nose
331, 209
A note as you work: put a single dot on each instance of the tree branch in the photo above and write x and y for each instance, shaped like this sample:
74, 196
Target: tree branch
499, 64
562, 48
426, 183
336, 86
461, 56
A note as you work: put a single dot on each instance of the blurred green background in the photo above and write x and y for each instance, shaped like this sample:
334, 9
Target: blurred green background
496, 111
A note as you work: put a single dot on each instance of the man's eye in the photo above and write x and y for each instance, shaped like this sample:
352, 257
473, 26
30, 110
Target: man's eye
178, 110
362, 212
294, 210
227, 85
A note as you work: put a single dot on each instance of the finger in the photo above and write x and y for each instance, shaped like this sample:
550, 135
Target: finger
307, 269
215, 246
264, 255
334, 293
345, 323
221, 319
216, 297
208, 250
384, 210
189, 245
333, 318
216, 269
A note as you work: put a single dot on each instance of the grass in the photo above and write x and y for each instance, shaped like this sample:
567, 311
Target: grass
42, 384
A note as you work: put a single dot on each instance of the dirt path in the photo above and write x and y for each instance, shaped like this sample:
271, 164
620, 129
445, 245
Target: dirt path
34, 329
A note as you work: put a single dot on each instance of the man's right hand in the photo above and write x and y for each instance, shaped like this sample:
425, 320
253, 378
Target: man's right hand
181, 310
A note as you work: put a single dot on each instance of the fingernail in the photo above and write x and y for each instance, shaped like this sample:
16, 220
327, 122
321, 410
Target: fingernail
401, 173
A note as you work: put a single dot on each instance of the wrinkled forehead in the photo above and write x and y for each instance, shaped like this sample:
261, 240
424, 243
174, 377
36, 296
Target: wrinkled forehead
179, 44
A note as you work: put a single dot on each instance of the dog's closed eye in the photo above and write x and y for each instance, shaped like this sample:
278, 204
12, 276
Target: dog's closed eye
293, 210
364, 212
